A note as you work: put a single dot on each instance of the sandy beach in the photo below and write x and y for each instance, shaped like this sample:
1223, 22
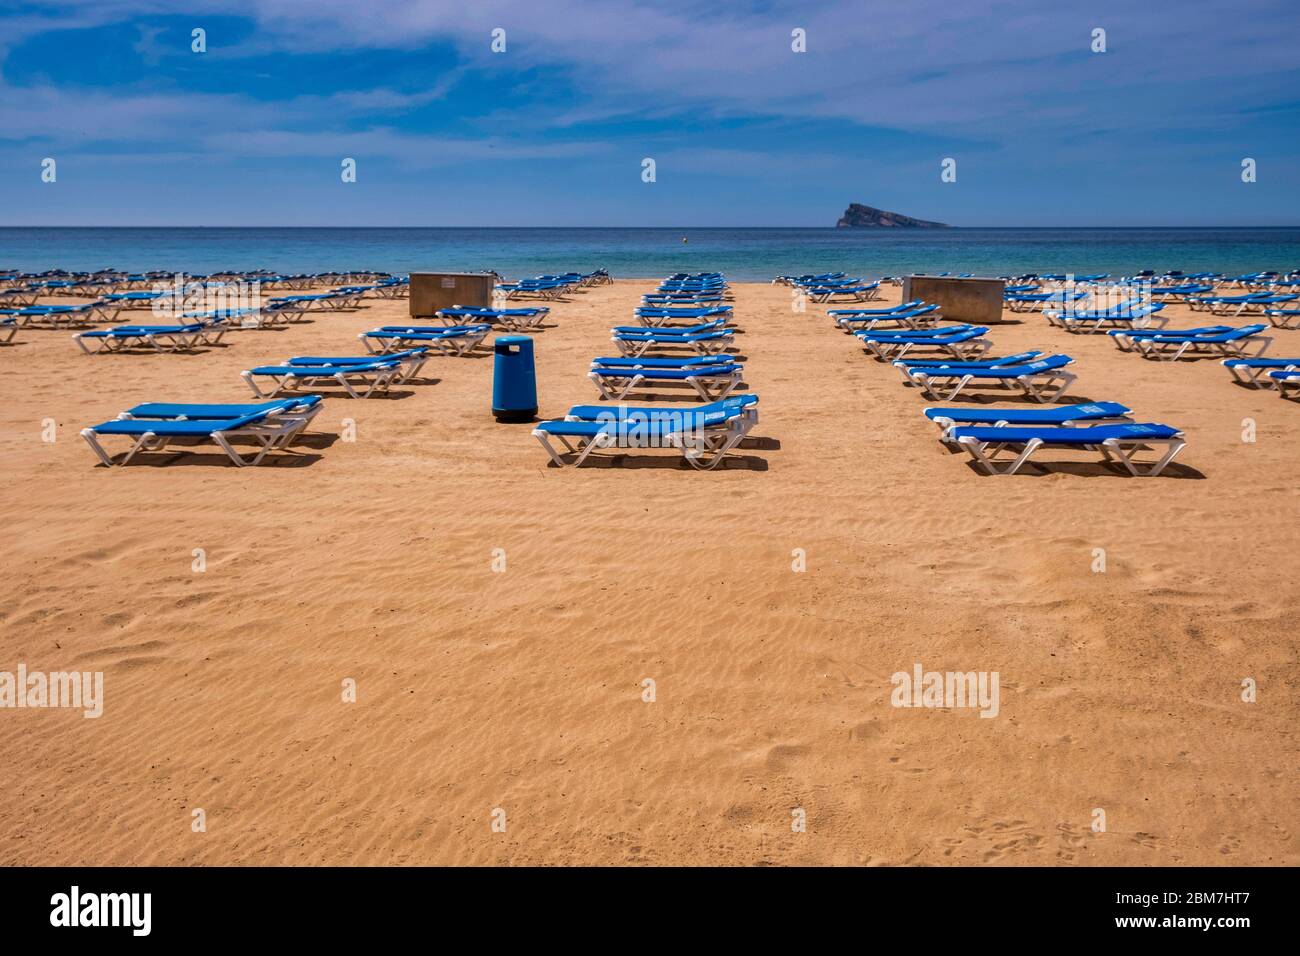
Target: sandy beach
482, 690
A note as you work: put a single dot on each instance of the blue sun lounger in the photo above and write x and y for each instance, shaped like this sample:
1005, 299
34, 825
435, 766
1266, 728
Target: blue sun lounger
360, 376
1284, 318
1118, 444
55, 316
1125, 316
451, 340
705, 343
1235, 305
1286, 382
836, 314
681, 300
853, 292
1044, 380
714, 326
273, 425
1231, 344
8, 327
963, 344
657, 317
517, 320
1126, 339
916, 318
1028, 301
160, 338
704, 433
1059, 416
711, 382
1254, 371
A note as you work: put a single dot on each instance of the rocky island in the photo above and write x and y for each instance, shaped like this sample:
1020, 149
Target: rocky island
858, 216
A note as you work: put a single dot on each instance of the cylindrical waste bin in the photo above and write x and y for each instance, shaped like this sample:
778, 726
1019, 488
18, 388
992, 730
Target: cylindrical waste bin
514, 380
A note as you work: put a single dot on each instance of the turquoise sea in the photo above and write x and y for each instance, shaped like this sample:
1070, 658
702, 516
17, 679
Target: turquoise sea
743, 254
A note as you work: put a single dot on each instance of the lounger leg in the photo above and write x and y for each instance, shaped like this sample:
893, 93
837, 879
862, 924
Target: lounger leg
1117, 447
977, 451
252, 383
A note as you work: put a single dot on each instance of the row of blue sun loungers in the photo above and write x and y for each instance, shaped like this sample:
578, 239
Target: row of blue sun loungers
705, 434
1001, 440
97, 285
551, 286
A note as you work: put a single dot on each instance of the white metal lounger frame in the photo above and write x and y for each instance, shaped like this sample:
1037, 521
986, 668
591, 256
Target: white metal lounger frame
1044, 385
1120, 450
618, 385
702, 449
270, 434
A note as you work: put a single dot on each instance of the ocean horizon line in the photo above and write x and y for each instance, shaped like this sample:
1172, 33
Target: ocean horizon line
856, 230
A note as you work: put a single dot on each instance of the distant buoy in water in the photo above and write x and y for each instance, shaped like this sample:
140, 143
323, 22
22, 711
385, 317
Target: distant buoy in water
684, 239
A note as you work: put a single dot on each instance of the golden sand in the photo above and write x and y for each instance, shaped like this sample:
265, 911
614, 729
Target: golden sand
522, 691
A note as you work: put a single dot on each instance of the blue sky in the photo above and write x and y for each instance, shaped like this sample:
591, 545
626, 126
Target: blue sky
553, 131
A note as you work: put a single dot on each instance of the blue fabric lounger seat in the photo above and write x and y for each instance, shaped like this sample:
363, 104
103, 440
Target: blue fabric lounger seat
450, 340
714, 326
1059, 416
629, 361
962, 344
1042, 381
711, 381
705, 343
704, 433
272, 427
360, 376
1020, 358
1171, 346
1254, 371
1119, 443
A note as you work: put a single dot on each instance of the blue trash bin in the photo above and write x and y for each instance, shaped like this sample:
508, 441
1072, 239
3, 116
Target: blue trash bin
514, 380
